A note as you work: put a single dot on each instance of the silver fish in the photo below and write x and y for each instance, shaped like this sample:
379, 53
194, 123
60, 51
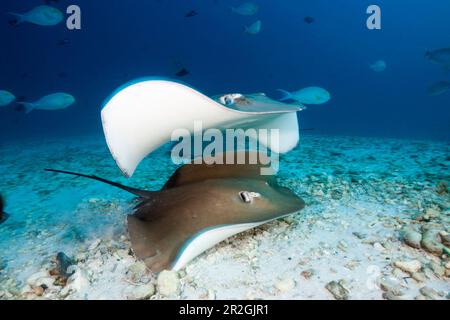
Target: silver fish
310, 95
55, 101
246, 9
6, 98
378, 66
40, 15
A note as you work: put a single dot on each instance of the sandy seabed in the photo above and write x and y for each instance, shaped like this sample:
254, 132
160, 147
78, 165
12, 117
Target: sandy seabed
376, 226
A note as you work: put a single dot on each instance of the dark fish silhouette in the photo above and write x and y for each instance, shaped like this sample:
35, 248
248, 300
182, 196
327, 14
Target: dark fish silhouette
440, 57
3, 215
61, 269
309, 20
191, 14
182, 73
200, 206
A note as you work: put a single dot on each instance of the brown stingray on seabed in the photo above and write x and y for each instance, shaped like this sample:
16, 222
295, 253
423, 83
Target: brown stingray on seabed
200, 206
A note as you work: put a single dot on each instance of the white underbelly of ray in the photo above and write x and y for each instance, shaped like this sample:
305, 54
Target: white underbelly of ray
208, 239
205, 240
143, 116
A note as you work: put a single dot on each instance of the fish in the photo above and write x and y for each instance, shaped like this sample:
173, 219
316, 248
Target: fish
191, 14
62, 268
378, 66
246, 9
200, 206
3, 215
254, 28
310, 95
440, 57
182, 72
55, 101
6, 98
439, 88
41, 15
309, 20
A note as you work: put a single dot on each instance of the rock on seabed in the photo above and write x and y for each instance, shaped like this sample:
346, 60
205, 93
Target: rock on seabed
168, 283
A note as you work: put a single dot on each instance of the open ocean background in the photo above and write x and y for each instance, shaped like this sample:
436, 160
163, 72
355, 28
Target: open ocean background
123, 40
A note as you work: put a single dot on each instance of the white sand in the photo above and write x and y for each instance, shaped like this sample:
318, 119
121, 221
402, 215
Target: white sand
359, 192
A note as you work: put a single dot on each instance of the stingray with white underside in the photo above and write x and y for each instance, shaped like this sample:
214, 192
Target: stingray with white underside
202, 203
141, 117
200, 206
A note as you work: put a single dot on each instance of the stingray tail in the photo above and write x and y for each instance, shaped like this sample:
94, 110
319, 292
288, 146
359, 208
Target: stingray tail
286, 95
137, 192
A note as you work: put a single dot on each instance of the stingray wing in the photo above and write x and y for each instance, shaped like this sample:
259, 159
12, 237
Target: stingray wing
142, 116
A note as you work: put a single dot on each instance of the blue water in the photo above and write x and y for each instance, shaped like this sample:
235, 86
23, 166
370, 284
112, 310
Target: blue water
122, 40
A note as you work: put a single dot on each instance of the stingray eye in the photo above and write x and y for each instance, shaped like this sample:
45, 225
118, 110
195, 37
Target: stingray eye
230, 99
227, 100
245, 197
248, 197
